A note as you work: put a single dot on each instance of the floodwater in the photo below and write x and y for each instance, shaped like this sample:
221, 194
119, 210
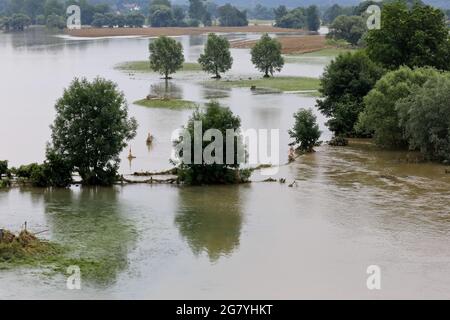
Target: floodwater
351, 208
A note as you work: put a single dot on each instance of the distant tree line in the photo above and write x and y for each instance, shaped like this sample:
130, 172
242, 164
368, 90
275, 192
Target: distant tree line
298, 18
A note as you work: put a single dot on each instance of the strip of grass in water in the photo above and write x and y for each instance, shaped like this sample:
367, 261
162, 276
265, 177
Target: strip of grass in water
275, 83
166, 103
324, 53
144, 66
53, 258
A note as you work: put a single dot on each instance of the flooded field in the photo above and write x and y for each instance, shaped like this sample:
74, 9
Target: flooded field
352, 207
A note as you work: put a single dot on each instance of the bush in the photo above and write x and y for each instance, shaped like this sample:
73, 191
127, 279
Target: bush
306, 131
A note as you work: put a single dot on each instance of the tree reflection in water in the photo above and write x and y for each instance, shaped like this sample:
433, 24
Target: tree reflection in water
210, 219
90, 222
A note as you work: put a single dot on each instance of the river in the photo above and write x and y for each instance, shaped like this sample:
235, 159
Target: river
352, 207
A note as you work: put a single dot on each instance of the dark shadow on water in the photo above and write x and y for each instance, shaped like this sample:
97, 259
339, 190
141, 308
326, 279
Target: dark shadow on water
210, 219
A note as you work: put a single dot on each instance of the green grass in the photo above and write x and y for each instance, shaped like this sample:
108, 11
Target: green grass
166, 103
144, 66
275, 83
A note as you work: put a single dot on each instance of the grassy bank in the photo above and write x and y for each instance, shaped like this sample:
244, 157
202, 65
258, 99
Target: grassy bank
275, 83
144, 66
166, 103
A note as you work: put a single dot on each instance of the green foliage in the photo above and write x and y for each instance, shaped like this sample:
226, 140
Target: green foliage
344, 83
91, 129
294, 19
266, 55
3, 167
412, 37
312, 18
40, 20
216, 57
425, 115
160, 16
55, 22
335, 11
135, 20
348, 28
214, 117
306, 131
197, 9
230, 16
19, 22
166, 56
380, 115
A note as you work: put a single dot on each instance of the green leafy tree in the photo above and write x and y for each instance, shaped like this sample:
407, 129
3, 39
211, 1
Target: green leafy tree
294, 19
306, 131
380, 115
166, 56
312, 18
197, 9
161, 16
19, 21
217, 57
179, 16
279, 13
414, 37
230, 16
348, 28
135, 20
426, 118
344, 83
266, 55
55, 22
99, 20
221, 119
91, 128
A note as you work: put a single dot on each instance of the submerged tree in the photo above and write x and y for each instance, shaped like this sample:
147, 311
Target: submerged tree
266, 55
205, 162
166, 56
306, 131
91, 128
217, 57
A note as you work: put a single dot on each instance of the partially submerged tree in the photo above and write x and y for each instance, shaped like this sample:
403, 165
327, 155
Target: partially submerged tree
166, 56
266, 55
217, 167
216, 57
91, 128
306, 131
345, 82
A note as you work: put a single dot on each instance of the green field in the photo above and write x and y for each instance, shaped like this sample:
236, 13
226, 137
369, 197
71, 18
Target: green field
166, 103
275, 83
144, 66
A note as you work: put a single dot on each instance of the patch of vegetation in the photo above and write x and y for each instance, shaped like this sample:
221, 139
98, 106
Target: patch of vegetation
276, 83
166, 103
144, 66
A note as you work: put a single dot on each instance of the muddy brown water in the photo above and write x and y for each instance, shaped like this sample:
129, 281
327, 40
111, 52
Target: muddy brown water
352, 207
